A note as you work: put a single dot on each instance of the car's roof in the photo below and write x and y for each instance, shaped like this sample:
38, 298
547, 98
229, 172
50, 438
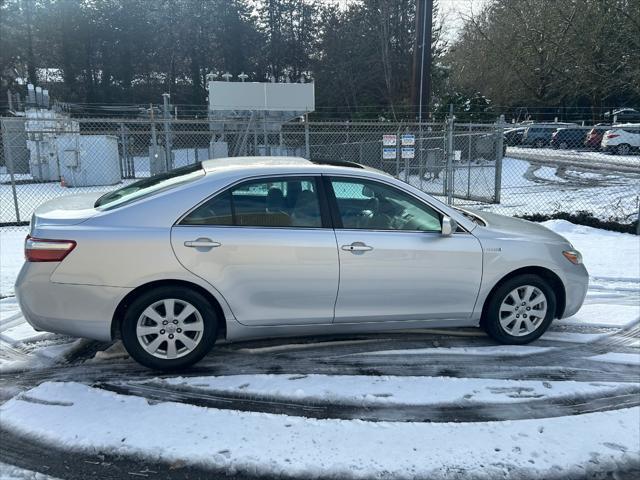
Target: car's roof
231, 162
277, 163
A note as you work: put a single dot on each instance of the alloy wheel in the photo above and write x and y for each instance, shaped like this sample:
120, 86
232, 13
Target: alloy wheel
523, 310
170, 328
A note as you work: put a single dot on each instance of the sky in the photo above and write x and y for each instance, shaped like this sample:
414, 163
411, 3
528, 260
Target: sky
451, 12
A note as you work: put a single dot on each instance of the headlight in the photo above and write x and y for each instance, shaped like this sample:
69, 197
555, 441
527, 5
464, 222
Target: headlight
573, 256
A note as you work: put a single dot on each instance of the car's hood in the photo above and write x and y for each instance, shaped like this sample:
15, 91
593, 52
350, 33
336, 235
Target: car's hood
66, 210
518, 228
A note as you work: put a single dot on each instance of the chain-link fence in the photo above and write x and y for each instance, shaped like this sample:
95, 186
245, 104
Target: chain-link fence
516, 170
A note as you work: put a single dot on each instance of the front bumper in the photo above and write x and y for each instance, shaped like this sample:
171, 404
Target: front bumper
576, 284
70, 309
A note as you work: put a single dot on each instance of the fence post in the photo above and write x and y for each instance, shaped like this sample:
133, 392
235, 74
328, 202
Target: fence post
469, 165
421, 157
450, 156
9, 158
167, 131
398, 155
124, 168
307, 147
499, 147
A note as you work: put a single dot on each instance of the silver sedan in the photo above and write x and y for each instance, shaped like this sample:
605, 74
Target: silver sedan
267, 247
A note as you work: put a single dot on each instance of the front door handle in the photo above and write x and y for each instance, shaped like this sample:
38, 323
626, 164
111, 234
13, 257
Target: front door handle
202, 243
357, 247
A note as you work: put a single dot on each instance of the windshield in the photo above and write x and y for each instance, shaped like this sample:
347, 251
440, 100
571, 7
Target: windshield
149, 186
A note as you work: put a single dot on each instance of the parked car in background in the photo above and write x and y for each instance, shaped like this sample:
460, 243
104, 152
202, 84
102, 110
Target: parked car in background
622, 139
513, 136
255, 247
594, 136
565, 138
623, 115
539, 134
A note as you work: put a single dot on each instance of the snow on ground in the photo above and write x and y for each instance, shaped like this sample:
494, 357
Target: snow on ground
31, 195
595, 157
610, 256
604, 314
617, 357
529, 189
10, 472
391, 390
73, 416
23, 348
11, 258
502, 350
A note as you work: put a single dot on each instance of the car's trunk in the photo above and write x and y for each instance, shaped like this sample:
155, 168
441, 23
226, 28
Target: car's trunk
67, 210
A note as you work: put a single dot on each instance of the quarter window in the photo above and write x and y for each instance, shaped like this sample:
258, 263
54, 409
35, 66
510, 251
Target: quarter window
368, 205
284, 202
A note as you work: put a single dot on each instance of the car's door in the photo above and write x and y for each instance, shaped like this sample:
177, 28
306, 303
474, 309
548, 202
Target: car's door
394, 262
267, 246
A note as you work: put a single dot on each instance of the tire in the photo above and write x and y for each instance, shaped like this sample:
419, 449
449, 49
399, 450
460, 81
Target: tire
539, 143
516, 331
563, 145
623, 149
192, 337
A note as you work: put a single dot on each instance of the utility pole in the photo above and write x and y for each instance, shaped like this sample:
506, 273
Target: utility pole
421, 71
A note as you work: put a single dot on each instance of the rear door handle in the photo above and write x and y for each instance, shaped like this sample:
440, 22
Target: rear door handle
202, 243
357, 247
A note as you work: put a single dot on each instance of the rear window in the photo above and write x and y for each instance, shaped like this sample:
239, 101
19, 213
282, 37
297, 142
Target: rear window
149, 186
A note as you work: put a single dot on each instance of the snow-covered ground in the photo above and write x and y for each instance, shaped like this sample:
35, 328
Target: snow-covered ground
451, 404
10, 472
593, 157
75, 416
390, 390
531, 188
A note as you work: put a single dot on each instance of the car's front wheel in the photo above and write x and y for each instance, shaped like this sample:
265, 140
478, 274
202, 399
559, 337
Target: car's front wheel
169, 328
520, 310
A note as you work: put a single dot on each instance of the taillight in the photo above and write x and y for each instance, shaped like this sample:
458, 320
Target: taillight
42, 250
613, 135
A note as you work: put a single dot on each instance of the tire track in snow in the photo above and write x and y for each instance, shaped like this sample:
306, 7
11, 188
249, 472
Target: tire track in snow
624, 397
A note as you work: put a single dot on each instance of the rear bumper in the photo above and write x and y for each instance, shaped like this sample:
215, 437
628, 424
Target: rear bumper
71, 309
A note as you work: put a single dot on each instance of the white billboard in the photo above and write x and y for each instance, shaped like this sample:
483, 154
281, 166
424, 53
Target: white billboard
275, 97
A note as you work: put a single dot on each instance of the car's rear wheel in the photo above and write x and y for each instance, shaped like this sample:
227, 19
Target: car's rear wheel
169, 328
539, 143
623, 149
520, 310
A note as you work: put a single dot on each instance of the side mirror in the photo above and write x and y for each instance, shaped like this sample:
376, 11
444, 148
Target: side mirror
449, 225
